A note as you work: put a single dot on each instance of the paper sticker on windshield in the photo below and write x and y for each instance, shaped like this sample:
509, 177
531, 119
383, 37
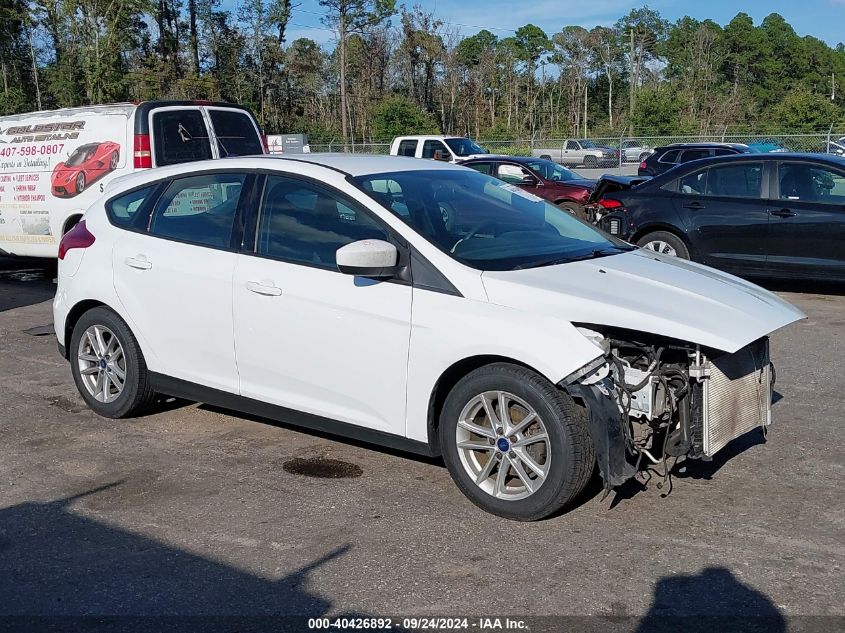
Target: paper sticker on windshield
520, 192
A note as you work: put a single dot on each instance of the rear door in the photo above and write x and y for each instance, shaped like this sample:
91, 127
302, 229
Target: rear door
173, 275
807, 222
180, 134
726, 214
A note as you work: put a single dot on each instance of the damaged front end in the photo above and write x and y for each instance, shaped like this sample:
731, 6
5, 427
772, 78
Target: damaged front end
650, 398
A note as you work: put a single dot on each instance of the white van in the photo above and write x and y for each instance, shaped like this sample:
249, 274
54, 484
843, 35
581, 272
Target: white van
452, 149
54, 164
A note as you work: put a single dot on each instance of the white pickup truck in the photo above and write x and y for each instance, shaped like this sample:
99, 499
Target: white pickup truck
579, 152
452, 149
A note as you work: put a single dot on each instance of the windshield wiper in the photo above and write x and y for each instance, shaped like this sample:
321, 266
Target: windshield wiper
593, 254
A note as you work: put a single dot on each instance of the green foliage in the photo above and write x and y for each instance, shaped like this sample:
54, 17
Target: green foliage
397, 115
803, 111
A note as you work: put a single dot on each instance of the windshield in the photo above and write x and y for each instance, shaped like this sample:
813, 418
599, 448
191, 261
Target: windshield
79, 156
464, 147
484, 222
552, 171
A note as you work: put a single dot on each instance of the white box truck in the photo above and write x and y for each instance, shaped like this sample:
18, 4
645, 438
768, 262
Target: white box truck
55, 164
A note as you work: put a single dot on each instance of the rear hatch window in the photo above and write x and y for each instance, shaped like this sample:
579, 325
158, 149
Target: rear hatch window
180, 136
235, 133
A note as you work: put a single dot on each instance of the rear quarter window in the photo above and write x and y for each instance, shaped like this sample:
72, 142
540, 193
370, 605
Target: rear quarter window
235, 133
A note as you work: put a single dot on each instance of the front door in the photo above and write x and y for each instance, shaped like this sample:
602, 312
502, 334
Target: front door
726, 215
175, 279
307, 336
807, 221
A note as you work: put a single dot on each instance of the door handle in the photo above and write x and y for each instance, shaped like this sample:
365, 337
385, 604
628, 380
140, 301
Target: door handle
140, 262
694, 205
784, 213
266, 289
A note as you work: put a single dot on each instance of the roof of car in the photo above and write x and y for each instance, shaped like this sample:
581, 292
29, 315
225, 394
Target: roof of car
516, 159
703, 145
417, 137
362, 164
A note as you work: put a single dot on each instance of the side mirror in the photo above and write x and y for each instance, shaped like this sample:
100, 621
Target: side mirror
441, 155
529, 181
368, 258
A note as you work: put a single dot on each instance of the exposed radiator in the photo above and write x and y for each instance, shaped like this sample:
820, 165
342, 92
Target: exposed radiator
737, 396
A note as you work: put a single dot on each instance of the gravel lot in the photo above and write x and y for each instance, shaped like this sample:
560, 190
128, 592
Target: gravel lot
190, 510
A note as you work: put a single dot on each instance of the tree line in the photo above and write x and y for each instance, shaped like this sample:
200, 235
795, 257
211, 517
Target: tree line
392, 69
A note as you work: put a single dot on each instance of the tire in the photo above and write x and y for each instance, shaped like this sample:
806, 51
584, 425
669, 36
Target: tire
113, 161
565, 454
573, 207
664, 243
591, 162
80, 182
136, 392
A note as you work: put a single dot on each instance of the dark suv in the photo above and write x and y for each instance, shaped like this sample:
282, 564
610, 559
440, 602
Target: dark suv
666, 157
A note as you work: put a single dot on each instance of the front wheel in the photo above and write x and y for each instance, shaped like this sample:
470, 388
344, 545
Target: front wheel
515, 445
664, 243
108, 366
80, 182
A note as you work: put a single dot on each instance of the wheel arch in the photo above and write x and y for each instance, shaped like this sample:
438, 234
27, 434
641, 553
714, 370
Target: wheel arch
665, 228
75, 314
447, 381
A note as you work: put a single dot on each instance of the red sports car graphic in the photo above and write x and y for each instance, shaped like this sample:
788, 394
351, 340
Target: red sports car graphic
88, 163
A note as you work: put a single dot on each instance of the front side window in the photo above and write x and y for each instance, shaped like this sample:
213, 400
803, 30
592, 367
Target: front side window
199, 210
180, 136
811, 183
486, 223
432, 148
408, 148
306, 224
235, 133
571, 145
552, 171
122, 210
512, 173
743, 180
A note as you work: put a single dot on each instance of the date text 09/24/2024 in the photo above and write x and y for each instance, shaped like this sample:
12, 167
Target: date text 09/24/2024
418, 623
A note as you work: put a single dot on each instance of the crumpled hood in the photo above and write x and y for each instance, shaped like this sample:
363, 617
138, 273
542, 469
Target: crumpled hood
644, 291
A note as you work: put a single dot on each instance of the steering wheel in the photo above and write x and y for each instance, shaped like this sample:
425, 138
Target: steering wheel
473, 232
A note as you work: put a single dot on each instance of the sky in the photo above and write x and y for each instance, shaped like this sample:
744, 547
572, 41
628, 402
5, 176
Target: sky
824, 19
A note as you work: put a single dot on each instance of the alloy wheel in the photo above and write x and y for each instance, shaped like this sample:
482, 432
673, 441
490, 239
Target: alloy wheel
503, 445
102, 363
659, 246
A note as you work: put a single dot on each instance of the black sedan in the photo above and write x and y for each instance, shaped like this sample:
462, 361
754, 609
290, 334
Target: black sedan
769, 215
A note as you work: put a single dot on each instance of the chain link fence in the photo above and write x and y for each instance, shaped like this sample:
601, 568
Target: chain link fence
632, 149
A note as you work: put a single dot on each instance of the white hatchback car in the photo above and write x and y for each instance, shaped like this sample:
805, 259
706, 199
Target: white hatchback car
417, 305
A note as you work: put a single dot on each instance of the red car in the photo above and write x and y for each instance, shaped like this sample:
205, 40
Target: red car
541, 177
86, 164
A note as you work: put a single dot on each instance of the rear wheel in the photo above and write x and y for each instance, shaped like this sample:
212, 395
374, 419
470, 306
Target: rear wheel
108, 366
515, 445
664, 243
591, 162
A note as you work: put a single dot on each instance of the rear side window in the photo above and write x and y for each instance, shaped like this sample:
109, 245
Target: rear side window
180, 136
235, 133
408, 148
736, 181
199, 210
122, 210
670, 157
695, 154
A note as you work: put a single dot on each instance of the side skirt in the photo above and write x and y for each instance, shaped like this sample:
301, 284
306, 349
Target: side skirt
179, 388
